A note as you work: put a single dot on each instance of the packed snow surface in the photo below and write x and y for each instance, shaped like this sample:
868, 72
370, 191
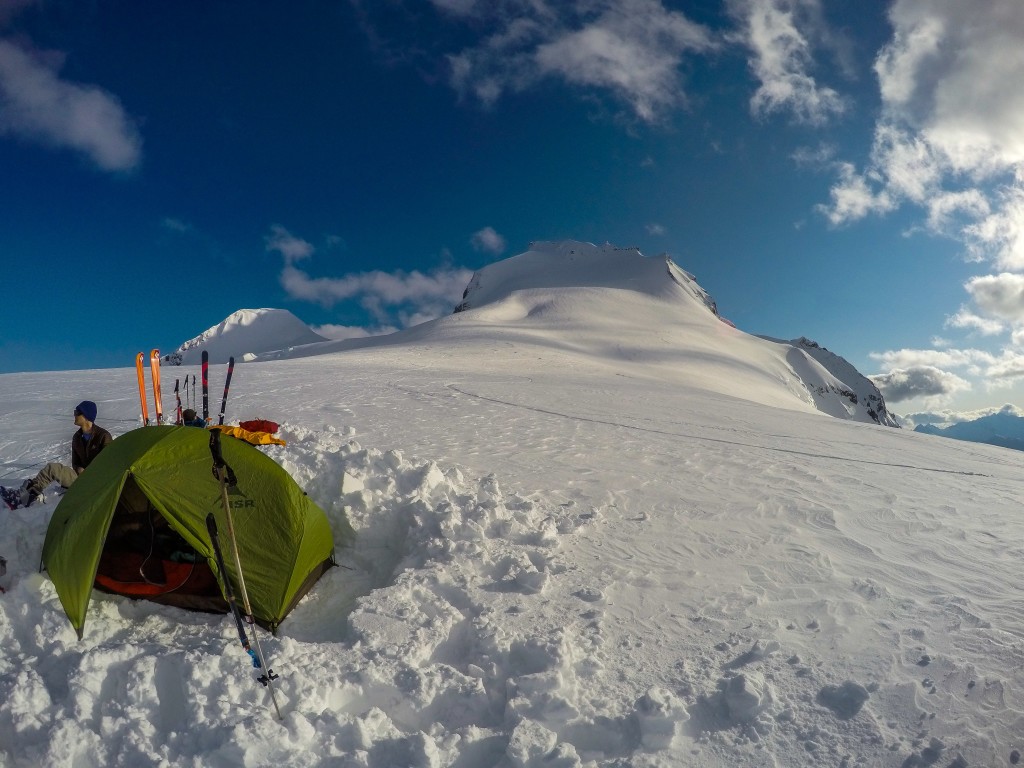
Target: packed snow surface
568, 555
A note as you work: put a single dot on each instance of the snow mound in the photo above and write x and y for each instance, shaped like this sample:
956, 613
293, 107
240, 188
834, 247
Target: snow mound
615, 310
618, 304
246, 333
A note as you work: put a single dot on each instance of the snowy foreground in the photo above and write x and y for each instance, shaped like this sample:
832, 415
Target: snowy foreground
564, 559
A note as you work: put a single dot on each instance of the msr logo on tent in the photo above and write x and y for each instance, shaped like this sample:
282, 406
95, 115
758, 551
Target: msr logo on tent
240, 500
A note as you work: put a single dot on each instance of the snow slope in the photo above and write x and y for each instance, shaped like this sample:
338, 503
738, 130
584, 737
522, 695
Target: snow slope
645, 316
244, 334
566, 557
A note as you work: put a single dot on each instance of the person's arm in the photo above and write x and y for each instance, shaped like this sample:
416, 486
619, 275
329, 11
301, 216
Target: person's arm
77, 454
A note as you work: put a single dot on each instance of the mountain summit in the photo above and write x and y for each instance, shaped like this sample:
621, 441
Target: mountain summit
244, 334
651, 317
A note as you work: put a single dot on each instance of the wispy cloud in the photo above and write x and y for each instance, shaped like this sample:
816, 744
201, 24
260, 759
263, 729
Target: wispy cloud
341, 332
487, 240
965, 319
778, 34
38, 106
393, 299
292, 248
175, 225
631, 49
974, 360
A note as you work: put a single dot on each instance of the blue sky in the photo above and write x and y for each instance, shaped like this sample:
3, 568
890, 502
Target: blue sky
849, 172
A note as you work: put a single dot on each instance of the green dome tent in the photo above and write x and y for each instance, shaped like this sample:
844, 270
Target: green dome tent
135, 524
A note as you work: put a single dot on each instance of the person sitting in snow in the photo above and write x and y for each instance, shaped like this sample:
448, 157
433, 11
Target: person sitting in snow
86, 445
190, 419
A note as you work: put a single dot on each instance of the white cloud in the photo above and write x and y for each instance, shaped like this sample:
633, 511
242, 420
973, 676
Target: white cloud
341, 332
392, 298
630, 48
656, 229
633, 49
974, 361
777, 34
38, 106
946, 416
918, 382
994, 370
378, 289
814, 157
951, 69
1000, 233
853, 198
999, 296
967, 319
292, 248
488, 241
950, 138
1007, 369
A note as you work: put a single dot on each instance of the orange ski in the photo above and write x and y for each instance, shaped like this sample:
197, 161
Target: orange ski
139, 358
154, 367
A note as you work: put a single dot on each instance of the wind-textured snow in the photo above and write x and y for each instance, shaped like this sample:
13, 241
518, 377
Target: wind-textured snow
579, 545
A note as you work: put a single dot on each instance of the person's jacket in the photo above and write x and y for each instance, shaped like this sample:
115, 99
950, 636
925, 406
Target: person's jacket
84, 451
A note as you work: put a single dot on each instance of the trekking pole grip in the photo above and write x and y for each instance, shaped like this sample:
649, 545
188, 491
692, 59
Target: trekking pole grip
215, 451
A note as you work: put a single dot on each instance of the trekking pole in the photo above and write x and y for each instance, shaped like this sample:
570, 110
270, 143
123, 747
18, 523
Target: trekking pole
226, 477
211, 526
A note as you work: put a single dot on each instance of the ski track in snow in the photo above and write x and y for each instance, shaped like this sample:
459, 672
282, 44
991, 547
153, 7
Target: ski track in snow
535, 584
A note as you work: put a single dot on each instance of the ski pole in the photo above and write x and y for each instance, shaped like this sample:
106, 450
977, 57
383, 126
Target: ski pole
226, 476
206, 387
227, 383
211, 526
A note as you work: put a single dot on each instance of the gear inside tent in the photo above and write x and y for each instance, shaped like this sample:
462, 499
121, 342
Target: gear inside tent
134, 524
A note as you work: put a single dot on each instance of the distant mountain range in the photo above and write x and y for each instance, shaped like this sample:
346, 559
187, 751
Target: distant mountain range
1004, 428
607, 305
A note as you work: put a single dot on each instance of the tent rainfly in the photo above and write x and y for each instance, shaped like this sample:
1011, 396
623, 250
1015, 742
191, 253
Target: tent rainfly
135, 524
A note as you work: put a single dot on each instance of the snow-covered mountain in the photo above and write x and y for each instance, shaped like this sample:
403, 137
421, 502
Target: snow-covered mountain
648, 315
245, 333
847, 383
1004, 428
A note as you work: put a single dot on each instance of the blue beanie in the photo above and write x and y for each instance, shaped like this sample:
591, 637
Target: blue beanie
88, 409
